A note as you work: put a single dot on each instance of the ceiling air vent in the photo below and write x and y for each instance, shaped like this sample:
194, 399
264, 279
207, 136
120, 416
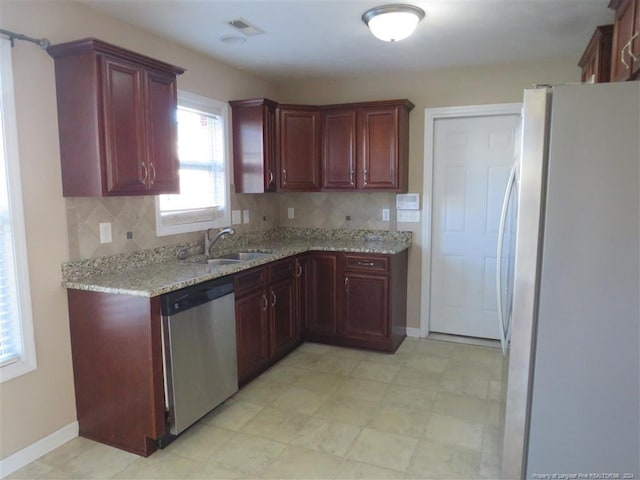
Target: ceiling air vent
245, 27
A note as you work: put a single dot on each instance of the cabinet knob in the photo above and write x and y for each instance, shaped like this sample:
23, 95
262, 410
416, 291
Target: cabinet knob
629, 45
366, 264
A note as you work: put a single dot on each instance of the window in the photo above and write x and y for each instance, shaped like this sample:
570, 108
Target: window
17, 351
203, 201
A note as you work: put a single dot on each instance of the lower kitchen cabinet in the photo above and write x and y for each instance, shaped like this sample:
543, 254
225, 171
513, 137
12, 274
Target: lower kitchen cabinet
252, 334
323, 319
302, 291
284, 325
116, 345
365, 306
266, 317
358, 300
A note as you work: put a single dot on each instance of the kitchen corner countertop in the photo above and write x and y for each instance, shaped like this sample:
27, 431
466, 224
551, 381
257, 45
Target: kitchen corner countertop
153, 273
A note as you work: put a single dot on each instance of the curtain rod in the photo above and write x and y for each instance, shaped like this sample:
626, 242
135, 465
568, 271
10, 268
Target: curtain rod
41, 42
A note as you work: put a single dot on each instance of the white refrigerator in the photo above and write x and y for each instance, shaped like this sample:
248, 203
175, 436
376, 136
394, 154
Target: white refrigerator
573, 386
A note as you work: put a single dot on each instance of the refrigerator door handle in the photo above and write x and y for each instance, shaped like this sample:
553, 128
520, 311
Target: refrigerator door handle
503, 221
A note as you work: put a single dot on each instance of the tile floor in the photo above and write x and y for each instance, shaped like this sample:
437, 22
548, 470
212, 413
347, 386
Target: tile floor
432, 410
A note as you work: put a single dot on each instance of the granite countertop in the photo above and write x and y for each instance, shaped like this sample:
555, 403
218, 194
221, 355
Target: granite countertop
155, 272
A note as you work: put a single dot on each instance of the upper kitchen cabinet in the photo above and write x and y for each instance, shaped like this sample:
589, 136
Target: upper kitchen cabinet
339, 142
298, 146
254, 145
596, 59
625, 61
116, 120
384, 145
366, 146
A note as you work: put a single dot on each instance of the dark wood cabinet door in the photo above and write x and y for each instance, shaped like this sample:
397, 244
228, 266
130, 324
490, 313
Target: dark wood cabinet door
366, 307
378, 153
162, 134
283, 317
254, 145
303, 292
124, 135
339, 149
623, 30
299, 149
323, 318
252, 333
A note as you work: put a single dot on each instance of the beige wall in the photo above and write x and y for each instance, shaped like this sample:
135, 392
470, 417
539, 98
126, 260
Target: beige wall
41, 402
440, 88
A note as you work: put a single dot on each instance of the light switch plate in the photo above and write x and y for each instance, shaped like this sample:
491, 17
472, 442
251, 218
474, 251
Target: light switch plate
408, 216
236, 217
105, 233
290, 212
245, 216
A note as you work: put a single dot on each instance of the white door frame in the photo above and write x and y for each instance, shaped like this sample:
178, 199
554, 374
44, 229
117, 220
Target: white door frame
431, 115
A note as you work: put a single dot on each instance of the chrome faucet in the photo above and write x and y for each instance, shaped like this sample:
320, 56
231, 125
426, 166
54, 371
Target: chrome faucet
208, 243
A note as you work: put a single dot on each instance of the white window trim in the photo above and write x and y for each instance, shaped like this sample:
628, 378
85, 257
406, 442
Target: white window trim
209, 105
27, 360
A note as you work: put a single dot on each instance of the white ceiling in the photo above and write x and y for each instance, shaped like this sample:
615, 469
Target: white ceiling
327, 38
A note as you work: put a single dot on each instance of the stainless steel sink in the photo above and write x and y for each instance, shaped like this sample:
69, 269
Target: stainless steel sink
243, 256
233, 258
221, 261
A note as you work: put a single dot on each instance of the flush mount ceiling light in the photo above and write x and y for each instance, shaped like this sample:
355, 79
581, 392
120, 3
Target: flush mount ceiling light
393, 22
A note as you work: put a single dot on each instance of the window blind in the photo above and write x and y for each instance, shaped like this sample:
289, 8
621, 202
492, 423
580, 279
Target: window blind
17, 347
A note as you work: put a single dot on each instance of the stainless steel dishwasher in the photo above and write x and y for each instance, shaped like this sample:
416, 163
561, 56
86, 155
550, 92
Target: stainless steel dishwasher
199, 341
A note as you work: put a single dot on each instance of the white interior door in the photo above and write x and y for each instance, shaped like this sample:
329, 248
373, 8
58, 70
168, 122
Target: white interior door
472, 157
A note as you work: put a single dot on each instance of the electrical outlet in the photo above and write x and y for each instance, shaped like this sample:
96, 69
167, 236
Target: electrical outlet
236, 217
245, 216
385, 214
290, 212
105, 233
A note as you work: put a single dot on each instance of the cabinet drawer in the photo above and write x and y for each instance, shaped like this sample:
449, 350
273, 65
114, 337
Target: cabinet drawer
281, 270
245, 282
367, 263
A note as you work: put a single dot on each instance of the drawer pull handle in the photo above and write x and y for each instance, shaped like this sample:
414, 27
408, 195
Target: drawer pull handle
346, 284
299, 274
284, 175
366, 264
144, 173
265, 302
270, 177
274, 299
152, 167
634, 57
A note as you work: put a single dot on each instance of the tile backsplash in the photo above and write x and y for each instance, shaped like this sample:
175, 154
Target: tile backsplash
328, 210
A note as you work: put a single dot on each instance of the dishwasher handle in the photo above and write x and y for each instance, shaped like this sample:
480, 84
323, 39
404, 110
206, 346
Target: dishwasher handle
195, 295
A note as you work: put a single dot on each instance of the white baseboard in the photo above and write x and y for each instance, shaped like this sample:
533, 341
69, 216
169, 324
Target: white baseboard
38, 449
414, 332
